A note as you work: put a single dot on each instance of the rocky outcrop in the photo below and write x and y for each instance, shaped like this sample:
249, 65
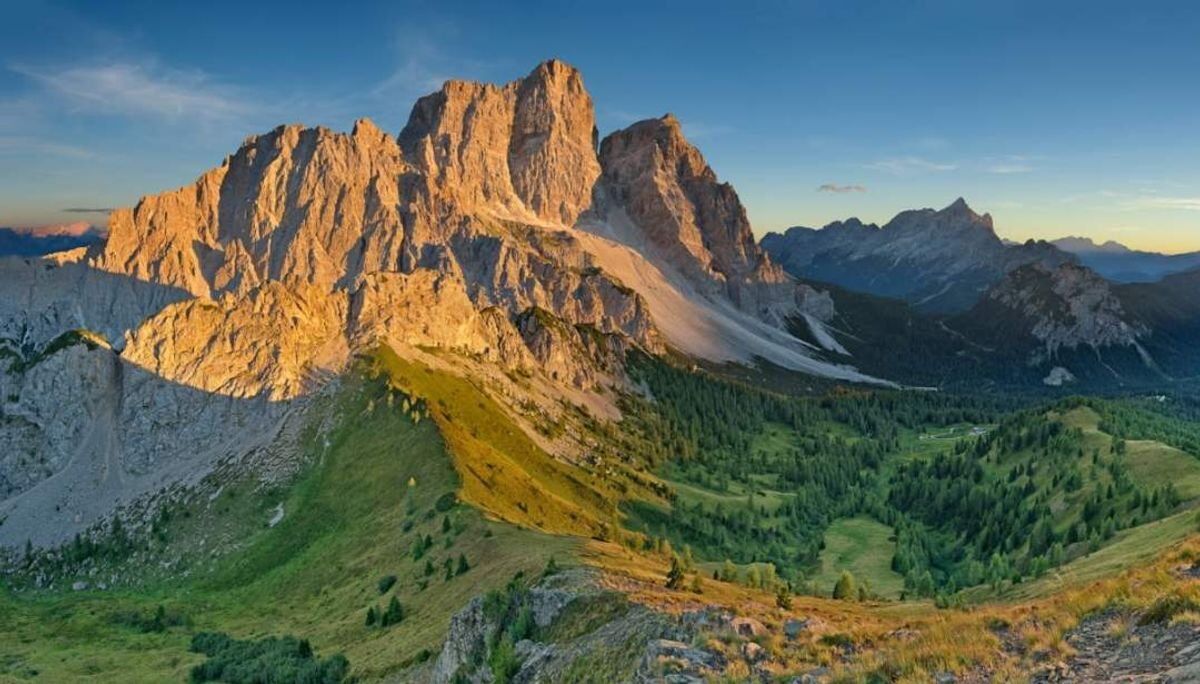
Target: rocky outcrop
526, 150
652, 646
1066, 307
939, 261
658, 194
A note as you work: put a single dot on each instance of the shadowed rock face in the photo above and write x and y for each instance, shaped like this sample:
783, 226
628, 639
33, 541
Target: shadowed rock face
939, 261
1068, 306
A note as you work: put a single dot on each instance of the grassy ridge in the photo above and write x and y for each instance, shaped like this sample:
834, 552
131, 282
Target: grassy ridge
503, 471
350, 520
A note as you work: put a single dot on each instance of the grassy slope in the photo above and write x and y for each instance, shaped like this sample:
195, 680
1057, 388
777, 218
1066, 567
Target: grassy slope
314, 575
503, 471
865, 548
1152, 464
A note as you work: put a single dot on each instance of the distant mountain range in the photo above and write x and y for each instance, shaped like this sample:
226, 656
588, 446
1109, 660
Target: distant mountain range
1124, 265
935, 297
937, 261
28, 242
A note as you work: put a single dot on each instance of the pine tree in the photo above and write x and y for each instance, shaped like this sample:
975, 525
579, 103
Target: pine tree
783, 596
845, 589
675, 574
393, 615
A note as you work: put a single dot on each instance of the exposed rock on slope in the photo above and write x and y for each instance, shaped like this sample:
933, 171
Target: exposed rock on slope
939, 261
1067, 307
523, 150
654, 179
1062, 321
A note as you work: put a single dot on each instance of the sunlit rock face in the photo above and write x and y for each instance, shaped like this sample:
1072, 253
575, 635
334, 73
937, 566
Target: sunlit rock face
212, 309
654, 179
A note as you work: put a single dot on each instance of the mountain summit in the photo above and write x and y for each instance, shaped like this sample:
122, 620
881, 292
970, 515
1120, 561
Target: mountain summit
939, 261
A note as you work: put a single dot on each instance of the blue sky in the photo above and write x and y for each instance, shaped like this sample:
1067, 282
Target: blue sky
1058, 118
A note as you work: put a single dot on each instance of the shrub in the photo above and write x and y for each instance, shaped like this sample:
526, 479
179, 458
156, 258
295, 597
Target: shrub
1167, 607
675, 574
159, 621
846, 588
503, 661
386, 582
445, 502
266, 661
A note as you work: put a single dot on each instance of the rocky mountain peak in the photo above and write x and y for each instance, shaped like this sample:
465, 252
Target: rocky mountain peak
524, 150
666, 187
1085, 245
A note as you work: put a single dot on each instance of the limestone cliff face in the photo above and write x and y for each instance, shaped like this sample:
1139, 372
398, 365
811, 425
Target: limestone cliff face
222, 303
1066, 307
526, 149
354, 221
658, 181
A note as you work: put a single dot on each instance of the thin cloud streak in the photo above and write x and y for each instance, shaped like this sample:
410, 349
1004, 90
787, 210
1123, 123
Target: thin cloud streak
1010, 168
1172, 203
17, 145
841, 189
903, 166
140, 89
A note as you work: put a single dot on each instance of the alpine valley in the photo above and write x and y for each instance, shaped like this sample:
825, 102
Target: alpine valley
490, 399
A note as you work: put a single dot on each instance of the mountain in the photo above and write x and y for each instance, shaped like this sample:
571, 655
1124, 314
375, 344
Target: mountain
1065, 323
1169, 311
938, 261
485, 230
1124, 265
28, 242
1039, 326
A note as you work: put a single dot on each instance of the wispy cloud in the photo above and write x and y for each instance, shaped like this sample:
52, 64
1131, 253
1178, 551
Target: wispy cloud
423, 63
695, 130
143, 89
1008, 164
88, 210
841, 189
24, 145
931, 142
1159, 202
1005, 168
904, 166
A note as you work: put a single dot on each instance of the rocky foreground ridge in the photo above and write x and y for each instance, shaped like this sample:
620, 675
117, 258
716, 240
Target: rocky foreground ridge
495, 226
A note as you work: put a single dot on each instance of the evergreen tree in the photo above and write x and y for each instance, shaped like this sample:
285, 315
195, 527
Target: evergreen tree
846, 588
675, 574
